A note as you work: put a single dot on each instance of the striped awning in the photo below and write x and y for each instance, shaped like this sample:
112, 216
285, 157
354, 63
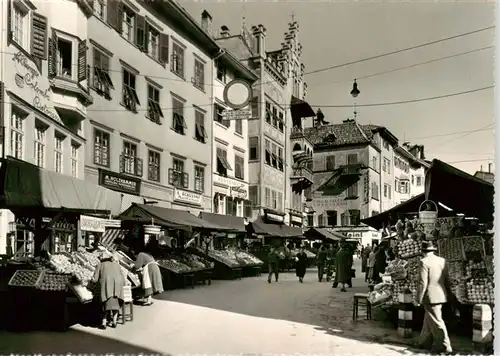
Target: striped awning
109, 237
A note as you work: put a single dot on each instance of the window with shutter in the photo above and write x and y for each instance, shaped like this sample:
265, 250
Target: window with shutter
352, 191
52, 55
39, 32
154, 109
253, 194
101, 79
352, 158
177, 62
140, 32
129, 24
115, 14
248, 209
199, 179
320, 220
178, 122
239, 167
200, 131
199, 75
129, 95
82, 61
164, 55
268, 151
330, 163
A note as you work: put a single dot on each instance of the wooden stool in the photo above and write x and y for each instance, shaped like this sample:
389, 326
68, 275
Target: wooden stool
124, 316
361, 297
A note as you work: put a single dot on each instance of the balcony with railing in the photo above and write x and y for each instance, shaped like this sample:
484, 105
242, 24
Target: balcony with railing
302, 177
131, 165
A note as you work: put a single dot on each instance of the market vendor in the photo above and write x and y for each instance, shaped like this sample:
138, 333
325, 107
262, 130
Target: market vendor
379, 264
151, 279
109, 275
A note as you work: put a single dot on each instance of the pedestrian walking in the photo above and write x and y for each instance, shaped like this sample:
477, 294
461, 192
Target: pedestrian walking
273, 260
433, 292
379, 264
321, 259
301, 264
110, 278
343, 270
364, 259
370, 264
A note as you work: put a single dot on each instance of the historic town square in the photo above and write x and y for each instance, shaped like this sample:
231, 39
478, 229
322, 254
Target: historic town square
246, 178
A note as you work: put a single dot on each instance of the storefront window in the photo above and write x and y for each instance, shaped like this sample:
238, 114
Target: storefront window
63, 242
24, 243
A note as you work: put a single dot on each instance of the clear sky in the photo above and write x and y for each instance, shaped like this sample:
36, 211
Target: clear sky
334, 33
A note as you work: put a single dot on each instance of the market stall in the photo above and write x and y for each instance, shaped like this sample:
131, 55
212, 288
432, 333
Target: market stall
227, 249
171, 229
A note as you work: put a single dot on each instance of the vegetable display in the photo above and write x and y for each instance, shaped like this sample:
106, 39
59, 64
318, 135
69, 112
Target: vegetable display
51, 281
480, 290
234, 257
409, 248
25, 278
451, 249
173, 265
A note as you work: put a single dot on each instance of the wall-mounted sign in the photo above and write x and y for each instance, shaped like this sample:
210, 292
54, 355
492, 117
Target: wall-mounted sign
152, 229
185, 196
296, 219
330, 202
366, 187
27, 75
119, 182
238, 191
237, 94
93, 224
269, 215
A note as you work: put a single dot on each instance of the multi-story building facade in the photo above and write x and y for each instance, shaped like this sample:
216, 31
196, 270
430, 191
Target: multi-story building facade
44, 91
409, 172
230, 148
270, 153
359, 171
150, 126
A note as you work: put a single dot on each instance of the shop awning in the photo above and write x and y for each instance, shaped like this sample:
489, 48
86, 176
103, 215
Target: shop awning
260, 227
26, 186
170, 218
317, 233
460, 191
228, 222
110, 236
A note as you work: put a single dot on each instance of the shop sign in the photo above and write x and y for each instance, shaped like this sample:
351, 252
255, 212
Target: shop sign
119, 182
296, 219
238, 192
30, 223
275, 217
331, 202
29, 76
237, 189
187, 197
93, 224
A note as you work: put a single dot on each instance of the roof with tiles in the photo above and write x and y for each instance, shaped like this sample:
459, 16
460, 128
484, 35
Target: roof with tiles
346, 133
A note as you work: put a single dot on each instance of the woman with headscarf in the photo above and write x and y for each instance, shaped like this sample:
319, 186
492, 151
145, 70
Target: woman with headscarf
109, 275
301, 264
151, 280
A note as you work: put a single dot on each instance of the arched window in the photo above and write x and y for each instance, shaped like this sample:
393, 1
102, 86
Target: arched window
297, 147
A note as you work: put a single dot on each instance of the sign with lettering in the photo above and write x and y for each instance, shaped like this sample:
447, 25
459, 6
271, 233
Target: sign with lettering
93, 224
185, 196
297, 219
119, 182
28, 76
237, 189
331, 202
366, 187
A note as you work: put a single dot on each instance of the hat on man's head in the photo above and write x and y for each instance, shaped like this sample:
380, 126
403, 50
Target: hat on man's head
428, 246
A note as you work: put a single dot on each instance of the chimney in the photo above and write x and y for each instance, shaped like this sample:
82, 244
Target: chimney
206, 22
224, 31
259, 32
489, 167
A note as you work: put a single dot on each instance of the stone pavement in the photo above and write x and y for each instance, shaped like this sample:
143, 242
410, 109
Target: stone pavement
247, 316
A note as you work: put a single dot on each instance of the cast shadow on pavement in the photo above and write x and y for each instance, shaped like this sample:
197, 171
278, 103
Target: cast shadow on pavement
71, 341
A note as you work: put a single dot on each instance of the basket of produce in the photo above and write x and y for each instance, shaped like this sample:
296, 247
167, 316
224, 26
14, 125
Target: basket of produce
476, 270
25, 278
400, 286
451, 249
474, 244
480, 291
456, 270
54, 282
396, 269
409, 248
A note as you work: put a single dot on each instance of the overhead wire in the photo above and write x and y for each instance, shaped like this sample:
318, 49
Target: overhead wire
488, 128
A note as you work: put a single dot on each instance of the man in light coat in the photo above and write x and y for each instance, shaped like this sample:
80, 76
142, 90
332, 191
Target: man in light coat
433, 292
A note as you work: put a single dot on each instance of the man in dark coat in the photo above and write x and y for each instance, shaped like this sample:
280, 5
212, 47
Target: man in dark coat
380, 264
343, 270
273, 259
321, 259
364, 258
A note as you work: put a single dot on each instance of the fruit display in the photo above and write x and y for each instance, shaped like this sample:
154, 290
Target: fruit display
459, 290
456, 270
480, 290
51, 281
396, 269
196, 262
174, 265
451, 249
409, 248
247, 259
25, 278
476, 270
413, 268
226, 257
490, 266
472, 244
400, 286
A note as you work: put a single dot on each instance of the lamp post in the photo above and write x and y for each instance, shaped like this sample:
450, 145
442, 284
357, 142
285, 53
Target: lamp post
354, 93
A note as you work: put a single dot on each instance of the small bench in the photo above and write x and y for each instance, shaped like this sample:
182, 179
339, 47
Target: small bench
361, 299
125, 316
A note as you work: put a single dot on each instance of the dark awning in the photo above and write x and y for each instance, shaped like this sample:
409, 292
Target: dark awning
460, 191
170, 218
338, 183
26, 186
228, 222
300, 108
316, 233
259, 227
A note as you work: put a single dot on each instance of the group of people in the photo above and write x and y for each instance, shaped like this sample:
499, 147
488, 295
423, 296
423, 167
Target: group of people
108, 275
374, 261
